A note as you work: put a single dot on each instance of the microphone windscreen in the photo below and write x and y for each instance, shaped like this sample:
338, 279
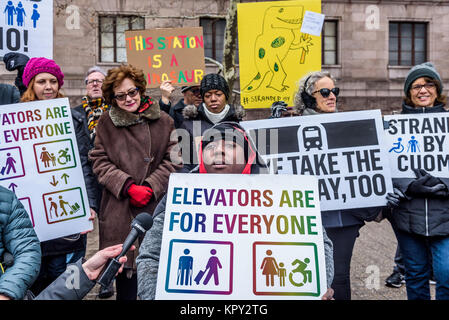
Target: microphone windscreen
145, 220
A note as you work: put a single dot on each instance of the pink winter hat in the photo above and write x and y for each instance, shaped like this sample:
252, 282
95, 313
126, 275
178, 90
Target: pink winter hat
42, 65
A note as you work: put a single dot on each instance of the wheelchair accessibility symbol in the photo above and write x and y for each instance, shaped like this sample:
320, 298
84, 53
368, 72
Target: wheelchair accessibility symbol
281, 268
54, 155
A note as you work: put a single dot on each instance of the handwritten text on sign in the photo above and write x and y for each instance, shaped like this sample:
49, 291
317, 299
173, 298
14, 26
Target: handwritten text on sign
167, 54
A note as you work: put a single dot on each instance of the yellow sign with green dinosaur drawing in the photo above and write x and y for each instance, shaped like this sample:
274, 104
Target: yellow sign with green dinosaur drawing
273, 53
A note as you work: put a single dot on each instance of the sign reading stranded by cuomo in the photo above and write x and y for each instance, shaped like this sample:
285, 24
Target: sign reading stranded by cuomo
40, 163
418, 141
242, 237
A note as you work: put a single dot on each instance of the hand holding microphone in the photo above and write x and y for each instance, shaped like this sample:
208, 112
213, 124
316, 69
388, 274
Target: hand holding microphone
141, 224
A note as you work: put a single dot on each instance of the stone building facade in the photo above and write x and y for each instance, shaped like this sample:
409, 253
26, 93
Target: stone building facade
364, 60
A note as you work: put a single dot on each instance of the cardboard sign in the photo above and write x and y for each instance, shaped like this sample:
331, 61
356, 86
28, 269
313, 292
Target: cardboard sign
167, 54
39, 161
27, 27
418, 141
274, 54
242, 237
345, 151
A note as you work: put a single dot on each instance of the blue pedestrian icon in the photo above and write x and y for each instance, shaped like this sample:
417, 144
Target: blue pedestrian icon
20, 11
185, 269
35, 16
10, 11
413, 145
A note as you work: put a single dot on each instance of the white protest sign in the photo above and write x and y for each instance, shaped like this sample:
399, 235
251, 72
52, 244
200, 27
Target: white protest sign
418, 141
346, 151
312, 23
27, 27
241, 237
39, 161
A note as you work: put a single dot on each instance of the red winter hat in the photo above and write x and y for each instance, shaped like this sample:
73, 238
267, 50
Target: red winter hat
42, 65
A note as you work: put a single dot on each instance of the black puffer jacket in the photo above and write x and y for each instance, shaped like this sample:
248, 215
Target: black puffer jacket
193, 127
175, 112
421, 216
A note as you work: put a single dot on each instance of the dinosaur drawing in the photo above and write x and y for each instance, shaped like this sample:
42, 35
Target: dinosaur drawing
280, 35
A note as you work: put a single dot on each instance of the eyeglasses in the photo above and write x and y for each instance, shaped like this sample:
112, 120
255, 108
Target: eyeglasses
428, 86
196, 92
94, 81
325, 92
122, 96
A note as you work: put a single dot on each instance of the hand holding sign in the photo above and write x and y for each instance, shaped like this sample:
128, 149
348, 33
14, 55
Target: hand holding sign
426, 185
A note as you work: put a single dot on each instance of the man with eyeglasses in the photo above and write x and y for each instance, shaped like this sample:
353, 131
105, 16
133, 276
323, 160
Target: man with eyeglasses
85, 118
191, 94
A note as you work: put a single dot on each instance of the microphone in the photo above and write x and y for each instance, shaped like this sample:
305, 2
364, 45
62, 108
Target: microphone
141, 224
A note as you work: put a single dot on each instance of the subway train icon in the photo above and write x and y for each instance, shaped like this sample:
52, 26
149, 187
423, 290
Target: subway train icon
312, 138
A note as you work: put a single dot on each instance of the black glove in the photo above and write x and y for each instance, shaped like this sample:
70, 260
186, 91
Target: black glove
394, 199
426, 185
277, 108
16, 61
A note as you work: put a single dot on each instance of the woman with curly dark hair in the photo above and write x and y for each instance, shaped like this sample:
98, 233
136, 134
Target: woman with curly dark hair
132, 158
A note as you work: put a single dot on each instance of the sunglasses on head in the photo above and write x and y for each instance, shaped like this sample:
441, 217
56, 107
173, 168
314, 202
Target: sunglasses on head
122, 96
325, 92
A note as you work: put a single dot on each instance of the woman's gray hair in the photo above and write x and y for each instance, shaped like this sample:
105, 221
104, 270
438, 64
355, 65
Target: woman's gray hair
92, 70
311, 79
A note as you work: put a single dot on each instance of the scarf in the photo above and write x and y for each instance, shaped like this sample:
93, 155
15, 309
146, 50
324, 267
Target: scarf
145, 103
94, 109
216, 117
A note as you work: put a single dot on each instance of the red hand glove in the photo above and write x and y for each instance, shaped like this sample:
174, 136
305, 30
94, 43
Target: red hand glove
140, 195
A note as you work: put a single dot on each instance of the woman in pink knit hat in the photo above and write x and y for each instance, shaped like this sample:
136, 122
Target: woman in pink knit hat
43, 79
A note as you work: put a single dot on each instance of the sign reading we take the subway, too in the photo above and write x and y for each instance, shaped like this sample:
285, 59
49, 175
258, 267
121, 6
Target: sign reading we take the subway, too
40, 163
175, 54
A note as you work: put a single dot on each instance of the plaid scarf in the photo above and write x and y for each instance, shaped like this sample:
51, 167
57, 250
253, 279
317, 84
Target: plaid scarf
94, 109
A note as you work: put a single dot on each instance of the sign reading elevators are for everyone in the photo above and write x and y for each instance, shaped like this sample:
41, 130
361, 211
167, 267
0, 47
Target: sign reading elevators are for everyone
40, 163
175, 54
242, 237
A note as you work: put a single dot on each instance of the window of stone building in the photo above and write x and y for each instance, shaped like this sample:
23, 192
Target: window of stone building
213, 33
407, 43
329, 54
112, 36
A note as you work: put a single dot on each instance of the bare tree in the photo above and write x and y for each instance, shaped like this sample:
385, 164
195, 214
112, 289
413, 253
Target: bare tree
230, 46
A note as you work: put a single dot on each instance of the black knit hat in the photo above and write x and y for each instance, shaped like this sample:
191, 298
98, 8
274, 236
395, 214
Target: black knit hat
214, 81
